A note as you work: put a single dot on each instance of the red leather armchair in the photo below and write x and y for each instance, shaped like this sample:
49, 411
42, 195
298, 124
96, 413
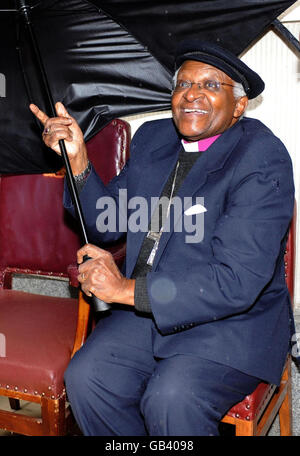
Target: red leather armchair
255, 414
40, 333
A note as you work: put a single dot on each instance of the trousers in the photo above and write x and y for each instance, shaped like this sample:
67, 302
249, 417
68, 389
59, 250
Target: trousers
117, 387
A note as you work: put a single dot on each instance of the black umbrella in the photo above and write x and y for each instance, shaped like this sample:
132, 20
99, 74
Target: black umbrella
75, 34
105, 59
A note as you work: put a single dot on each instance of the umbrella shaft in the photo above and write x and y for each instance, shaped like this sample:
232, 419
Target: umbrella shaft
73, 189
98, 304
24, 10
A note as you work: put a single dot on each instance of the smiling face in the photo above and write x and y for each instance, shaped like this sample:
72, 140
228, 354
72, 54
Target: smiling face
200, 114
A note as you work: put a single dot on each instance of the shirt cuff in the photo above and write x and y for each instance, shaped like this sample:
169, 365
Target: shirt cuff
141, 300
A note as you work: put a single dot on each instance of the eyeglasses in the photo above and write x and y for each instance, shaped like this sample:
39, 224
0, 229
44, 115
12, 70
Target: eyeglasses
209, 84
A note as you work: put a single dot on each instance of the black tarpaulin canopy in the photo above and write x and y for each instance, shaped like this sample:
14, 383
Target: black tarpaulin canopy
105, 59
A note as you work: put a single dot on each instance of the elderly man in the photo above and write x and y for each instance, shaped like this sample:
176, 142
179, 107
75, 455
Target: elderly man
196, 321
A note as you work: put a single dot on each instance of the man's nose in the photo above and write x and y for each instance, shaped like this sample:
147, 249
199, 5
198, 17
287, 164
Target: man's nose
193, 93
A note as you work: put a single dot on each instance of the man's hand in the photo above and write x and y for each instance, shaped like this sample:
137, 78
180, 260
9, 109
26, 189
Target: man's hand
63, 127
101, 276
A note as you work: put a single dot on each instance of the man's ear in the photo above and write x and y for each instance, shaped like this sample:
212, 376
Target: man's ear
240, 107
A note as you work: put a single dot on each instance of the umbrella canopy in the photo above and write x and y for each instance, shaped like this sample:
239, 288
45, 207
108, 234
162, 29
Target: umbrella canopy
105, 59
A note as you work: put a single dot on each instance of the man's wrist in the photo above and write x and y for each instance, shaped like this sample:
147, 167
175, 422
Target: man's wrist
81, 177
127, 292
80, 161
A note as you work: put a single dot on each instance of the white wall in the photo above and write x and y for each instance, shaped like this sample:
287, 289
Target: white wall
278, 106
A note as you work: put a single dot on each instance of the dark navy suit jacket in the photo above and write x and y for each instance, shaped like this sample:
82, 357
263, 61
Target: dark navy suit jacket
223, 298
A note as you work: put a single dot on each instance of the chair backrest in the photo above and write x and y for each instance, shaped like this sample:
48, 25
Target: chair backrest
109, 149
36, 234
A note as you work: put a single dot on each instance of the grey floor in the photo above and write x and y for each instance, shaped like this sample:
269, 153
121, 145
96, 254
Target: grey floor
60, 288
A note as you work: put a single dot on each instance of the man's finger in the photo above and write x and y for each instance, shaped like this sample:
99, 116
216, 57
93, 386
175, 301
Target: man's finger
83, 267
82, 252
61, 110
90, 250
38, 113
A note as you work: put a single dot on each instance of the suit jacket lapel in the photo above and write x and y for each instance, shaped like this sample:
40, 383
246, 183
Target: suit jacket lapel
211, 161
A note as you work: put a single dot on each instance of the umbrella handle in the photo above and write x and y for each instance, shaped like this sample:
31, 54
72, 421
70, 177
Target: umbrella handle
24, 11
98, 304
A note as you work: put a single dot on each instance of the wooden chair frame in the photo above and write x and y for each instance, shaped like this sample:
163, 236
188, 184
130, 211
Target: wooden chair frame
279, 400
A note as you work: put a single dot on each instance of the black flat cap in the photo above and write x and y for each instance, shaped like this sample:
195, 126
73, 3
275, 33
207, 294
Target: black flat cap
222, 59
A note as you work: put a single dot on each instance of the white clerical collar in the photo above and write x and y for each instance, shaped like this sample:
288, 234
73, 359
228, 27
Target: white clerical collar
199, 146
